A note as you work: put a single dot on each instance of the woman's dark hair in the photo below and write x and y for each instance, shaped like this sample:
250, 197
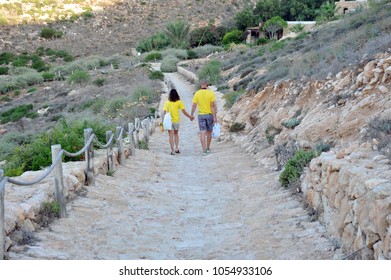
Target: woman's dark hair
173, 96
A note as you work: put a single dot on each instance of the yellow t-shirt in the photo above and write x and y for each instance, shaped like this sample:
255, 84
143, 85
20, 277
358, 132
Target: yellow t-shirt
173, 108
203, 98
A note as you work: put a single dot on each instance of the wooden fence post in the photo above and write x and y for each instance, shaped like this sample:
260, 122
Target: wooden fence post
136, 132
110, 162
2, 216
89, 157
58, 180
121, 154
145, 126
131, 138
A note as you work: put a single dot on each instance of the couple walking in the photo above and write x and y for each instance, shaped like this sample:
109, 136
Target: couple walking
205, 100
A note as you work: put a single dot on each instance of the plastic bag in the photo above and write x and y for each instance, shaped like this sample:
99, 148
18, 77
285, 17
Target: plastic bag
216, 131
167, 121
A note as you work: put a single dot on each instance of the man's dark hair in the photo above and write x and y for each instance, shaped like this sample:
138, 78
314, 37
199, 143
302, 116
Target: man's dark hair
173, 96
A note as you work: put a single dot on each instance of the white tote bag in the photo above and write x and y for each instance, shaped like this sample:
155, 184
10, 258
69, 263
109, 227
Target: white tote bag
216, 131
167, 121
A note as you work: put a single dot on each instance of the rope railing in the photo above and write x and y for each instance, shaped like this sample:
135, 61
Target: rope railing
147, 125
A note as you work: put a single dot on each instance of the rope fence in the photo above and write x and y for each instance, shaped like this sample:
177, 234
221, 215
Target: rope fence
132, 140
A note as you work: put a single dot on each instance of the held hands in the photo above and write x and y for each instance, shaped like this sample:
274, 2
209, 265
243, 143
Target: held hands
191, 118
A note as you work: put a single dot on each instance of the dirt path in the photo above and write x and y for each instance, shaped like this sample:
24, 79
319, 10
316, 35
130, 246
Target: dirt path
187, 206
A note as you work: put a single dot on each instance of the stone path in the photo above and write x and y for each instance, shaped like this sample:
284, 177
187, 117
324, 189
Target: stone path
187, 206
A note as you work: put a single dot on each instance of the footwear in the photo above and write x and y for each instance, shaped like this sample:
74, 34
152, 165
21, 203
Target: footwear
205, 153
208, 151
177, 151
172, 153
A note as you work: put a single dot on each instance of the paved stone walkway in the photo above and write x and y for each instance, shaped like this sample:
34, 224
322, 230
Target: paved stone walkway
187, 206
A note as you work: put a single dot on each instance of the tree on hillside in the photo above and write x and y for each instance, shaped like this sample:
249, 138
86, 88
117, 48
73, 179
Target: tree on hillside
178, 32
246, 18
327, 11
273, 25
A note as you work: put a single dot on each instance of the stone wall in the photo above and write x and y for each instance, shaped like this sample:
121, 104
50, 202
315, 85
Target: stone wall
350, 190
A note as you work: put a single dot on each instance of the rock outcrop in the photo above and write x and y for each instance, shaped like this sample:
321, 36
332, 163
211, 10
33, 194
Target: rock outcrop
350, 186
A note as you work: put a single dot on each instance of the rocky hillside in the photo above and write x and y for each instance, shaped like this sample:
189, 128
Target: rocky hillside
104, 27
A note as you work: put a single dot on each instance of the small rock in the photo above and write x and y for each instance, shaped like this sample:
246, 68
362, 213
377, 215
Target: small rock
340, 154
383, 89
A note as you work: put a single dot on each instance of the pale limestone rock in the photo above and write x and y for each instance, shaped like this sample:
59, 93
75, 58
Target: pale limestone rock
27, 226
8, 243
387, 75
378, 252
341, 154
28, 211
383, 89
368, 69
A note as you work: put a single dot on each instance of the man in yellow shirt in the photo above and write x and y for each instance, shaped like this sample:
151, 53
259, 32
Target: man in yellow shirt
205, 100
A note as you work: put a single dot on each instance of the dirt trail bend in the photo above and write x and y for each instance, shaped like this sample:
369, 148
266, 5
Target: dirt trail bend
187, 206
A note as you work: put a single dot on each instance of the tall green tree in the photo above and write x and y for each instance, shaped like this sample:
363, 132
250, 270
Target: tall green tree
273, 25
179, 34
246, 18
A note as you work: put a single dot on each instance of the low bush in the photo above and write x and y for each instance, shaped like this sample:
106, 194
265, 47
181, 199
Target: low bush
234, 36
4, 70
236, 127
210, 72
48, 76
15, 114
181, 54
231, 98
50, 33
37, 154
293, 169
291, 123
153, 56
206, 50
7, 57
99, 82
156, 75
79, 77
145, 94
169, 64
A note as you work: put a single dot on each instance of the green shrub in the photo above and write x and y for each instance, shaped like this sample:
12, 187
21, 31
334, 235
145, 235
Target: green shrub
6, 58
146, 94
51, 210
210, 72
39, 65
277, 45
99, 82
27, 79
153, 56
20, 62
157, 42
115, 105
206, 50
169, 64
234, 36
231, 98
5, 98
3, 20
30, 90
15, 114
178, 53
236, 127
98, 105
4, 70
143, 145
156, 75
79, 77
262, 41
295, 167
291, 123
191, 54
49, 33
37, 154
48, 76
